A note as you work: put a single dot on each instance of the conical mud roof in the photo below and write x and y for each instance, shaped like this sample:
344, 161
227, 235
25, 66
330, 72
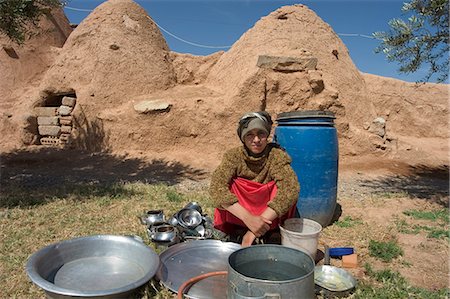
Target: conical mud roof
115, 53
294, 31
23, 65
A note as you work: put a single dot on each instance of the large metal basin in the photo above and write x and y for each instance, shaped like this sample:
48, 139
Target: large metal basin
101, 266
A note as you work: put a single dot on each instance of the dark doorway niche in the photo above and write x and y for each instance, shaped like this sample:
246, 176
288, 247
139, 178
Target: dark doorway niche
55, 119
55, 100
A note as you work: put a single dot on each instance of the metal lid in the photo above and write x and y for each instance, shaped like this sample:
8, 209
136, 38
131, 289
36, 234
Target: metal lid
305, 114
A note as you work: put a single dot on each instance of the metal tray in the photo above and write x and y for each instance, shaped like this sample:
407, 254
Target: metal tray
184, 261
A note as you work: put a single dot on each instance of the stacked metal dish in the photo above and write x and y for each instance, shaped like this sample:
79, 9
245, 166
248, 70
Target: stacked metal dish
189, 223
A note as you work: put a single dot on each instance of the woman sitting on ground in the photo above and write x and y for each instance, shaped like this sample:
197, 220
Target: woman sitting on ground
254, 188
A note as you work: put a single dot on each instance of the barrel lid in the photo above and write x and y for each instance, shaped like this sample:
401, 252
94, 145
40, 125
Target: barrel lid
305, 114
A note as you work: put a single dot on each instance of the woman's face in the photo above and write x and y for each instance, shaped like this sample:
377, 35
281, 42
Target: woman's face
256, 140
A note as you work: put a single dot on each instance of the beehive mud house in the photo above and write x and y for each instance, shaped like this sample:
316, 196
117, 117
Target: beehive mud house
80, 87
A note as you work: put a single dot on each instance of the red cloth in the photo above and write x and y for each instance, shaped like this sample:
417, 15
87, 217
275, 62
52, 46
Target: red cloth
253, 197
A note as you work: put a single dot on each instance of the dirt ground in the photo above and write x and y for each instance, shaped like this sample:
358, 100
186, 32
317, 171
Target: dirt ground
371, 191
378, 192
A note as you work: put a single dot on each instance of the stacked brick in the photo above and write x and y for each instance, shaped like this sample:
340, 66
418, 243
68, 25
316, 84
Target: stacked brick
55, 123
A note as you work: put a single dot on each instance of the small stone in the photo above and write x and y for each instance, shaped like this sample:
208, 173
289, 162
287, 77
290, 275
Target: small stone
48, 120
64, 110
65, 122
379, 120
69, 101
152, 106
66, 129
378, 126
46, 111
130, 23
287, 64
114, 47
49, 130
315, 81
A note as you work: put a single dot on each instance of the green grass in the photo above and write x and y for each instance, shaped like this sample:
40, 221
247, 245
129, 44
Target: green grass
174, 196
433, 232
435, 215
439, 218
385, 251
348, 221
390, 284
32, 219
405, 228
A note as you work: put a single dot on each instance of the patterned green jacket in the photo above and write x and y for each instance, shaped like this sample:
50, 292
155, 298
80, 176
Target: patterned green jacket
274, 165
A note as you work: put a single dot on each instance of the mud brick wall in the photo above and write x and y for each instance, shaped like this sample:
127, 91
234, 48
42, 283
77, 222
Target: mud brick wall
55, 123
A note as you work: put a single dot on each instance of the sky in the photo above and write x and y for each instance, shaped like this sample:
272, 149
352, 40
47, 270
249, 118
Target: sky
202, 27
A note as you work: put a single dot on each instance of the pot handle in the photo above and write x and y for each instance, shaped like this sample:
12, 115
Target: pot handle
151, 232
142, 220
236, 295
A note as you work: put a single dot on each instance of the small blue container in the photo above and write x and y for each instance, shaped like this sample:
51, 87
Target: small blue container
340, 251
310, 138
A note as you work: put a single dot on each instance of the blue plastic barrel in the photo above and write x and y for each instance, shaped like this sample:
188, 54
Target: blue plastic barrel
310, 138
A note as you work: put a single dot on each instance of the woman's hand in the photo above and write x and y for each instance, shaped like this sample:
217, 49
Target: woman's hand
248, 239
258, 225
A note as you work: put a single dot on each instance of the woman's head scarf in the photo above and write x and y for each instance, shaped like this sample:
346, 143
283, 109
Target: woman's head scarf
254, 120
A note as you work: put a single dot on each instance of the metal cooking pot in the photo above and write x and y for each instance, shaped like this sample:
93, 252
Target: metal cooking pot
163, 233
153, 217
270, 271
105, 266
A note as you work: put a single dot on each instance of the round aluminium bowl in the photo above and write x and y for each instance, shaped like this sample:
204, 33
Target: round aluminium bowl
333, 278
195, 206
105, 266
189, 218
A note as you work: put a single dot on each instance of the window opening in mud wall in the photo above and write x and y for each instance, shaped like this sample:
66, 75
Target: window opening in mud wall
55, 120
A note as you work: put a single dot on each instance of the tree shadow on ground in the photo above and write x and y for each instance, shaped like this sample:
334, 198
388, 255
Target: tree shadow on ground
430, 183
40, 174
